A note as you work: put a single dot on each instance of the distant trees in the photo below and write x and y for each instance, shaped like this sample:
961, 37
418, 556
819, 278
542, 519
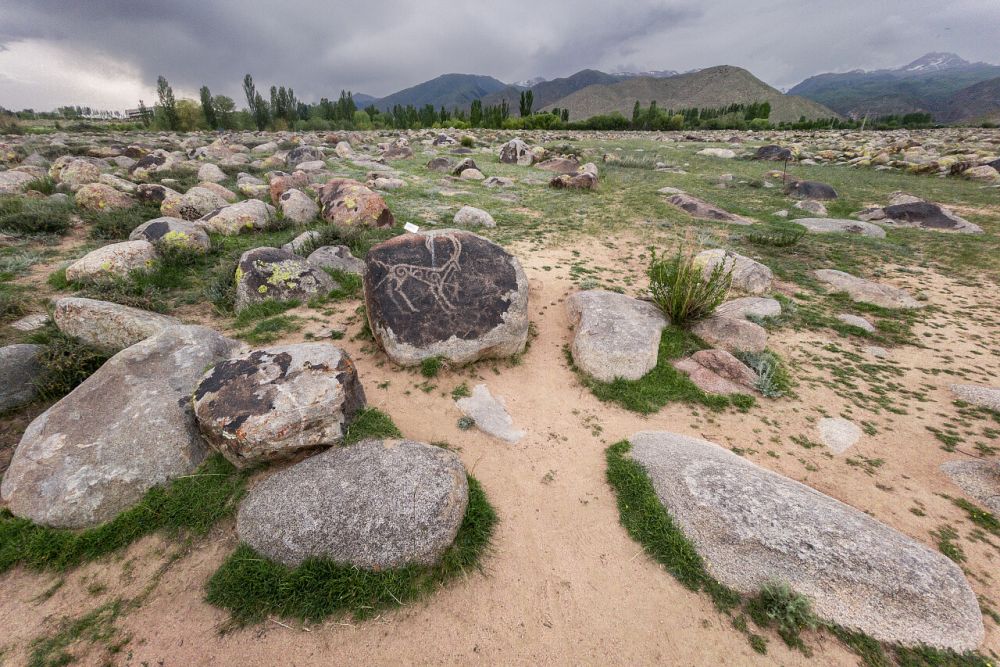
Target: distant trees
259, 111
145, 115
168, 105
208, 108
527, 101
224, 109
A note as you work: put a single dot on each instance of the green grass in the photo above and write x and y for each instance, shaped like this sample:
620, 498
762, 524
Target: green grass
269, 330
985, 520
192, 503
776, 605
681, 290
30, 216
66, 362
664, 384
263, 310
773, 380
95, 627
371, 423
431, 366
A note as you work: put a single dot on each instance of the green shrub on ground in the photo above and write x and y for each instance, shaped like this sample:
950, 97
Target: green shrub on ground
66, 362
681, 290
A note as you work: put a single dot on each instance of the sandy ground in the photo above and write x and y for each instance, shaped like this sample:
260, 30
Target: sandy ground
564, 584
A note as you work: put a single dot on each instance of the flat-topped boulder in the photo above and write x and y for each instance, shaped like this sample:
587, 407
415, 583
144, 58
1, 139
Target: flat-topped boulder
101, 197
732, 334
752, 526
490, 414
106, 325
346, 202
718, 372
375, 505
268, 404
614, 335
748, 275
749, 306
846, 226
979, 479
272, 274
447, 293
701, 209
909, 211
559, 165
867, 291
125, 429
986, 397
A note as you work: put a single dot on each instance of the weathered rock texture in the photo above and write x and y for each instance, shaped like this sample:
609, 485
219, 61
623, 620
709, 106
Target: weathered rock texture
110, 326
375, 505
753, 526
448, 294
615, 335
127, 428
268, 404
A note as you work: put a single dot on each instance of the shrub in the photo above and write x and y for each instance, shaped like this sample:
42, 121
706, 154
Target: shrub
430, 367
777, 604
34, 217
772, 378
118, 224
681, 290
468, 142
778, 237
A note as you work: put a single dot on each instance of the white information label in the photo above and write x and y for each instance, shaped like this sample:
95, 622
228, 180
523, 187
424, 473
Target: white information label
412, 228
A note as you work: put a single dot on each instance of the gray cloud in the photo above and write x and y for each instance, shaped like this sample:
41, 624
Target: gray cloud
321, 46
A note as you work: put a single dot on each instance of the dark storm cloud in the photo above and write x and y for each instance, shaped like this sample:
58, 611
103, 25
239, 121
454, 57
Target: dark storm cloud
321, 46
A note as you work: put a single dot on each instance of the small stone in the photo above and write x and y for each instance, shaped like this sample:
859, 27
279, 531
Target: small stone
469, 216
856, 321
337, 257
838, 434
490, 414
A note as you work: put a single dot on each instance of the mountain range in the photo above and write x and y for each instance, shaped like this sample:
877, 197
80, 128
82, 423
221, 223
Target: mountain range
942, 84
929, 84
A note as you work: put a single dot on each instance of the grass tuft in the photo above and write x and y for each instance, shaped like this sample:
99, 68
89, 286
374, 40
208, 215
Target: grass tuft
66, 362
253, 588
431, 366
681, 290
371, 423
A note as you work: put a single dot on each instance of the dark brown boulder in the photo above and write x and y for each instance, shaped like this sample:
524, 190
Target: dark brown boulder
448, 294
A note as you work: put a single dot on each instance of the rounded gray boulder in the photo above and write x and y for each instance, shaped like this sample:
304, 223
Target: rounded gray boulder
378, 504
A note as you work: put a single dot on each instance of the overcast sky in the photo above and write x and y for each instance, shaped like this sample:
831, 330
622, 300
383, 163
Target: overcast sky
108, 53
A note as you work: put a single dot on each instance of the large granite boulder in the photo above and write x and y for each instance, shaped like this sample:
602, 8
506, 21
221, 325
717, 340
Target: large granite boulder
239, 218
615, 335
269, 404
748, 275
265, 274
914, 212
375, 505
198, 202
127, 428
834, 225
752, 526
446, 293
702, 210
304, 154
106, 325
174, 233
867, 291
19, 367
348, 203
517, 152
14, 182
115, 260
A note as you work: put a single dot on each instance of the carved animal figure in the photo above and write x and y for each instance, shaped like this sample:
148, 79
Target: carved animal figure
437, 279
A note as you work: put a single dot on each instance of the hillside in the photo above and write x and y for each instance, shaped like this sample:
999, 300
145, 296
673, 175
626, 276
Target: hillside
548, 92
447, 90
977, 103
712, 87
924, 85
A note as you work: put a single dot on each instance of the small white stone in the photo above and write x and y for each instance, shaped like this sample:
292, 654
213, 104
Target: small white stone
838, 434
